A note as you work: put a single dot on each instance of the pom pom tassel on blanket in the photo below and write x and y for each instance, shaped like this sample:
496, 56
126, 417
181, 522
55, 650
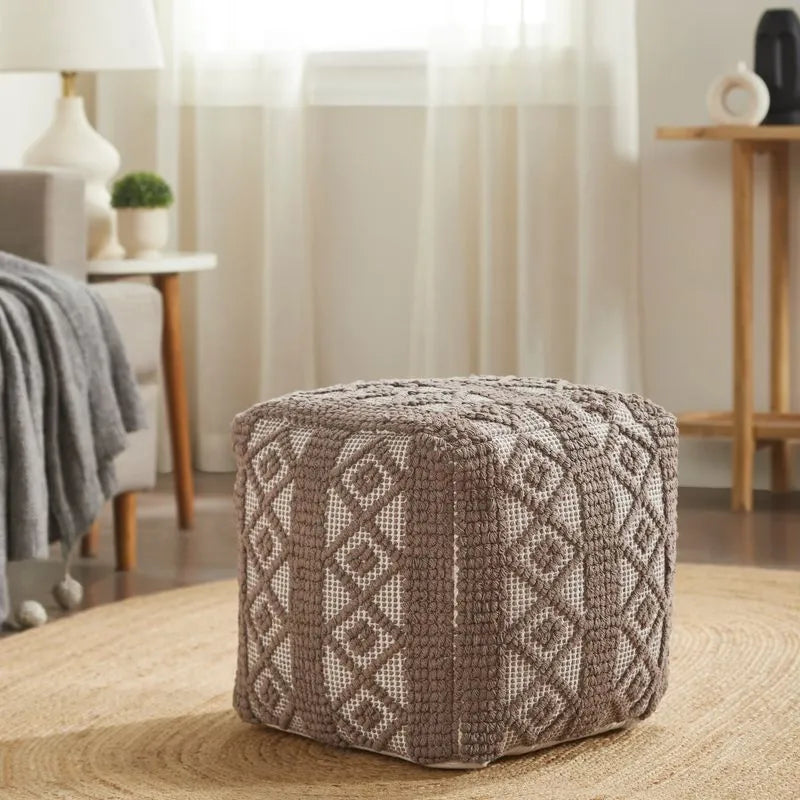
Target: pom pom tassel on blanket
68, 399
68, 593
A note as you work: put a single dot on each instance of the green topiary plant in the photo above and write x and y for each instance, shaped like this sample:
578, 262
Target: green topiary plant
141, 190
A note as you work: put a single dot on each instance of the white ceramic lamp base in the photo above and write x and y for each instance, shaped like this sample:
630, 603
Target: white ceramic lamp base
72, 143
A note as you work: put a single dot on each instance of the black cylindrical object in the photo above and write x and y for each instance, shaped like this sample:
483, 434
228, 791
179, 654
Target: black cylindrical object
777, 61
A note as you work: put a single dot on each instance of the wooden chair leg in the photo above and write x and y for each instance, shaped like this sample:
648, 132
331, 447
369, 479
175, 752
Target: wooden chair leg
91, 541
125, 530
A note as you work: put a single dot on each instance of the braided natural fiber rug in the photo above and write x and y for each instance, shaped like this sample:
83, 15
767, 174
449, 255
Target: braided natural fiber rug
134, 700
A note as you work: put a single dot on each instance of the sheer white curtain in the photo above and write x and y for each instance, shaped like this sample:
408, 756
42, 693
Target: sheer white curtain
520, 217
225, 122
528, 250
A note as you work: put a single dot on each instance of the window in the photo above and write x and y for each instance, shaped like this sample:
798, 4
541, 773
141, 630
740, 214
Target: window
363, 52
249, 26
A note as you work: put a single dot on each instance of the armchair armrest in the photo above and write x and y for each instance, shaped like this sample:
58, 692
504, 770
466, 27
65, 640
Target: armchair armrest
42, 218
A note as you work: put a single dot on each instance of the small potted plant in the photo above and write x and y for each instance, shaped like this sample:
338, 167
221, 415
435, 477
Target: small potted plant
141, 200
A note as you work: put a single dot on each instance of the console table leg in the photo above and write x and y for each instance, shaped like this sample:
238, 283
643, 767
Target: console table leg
743, 440
779, 305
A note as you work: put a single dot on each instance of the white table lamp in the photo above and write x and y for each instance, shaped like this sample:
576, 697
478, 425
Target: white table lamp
71, 36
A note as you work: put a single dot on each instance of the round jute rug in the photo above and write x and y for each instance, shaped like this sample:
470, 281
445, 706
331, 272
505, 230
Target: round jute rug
134, 700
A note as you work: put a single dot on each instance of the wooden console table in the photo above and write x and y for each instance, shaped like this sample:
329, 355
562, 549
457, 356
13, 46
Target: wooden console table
748, 429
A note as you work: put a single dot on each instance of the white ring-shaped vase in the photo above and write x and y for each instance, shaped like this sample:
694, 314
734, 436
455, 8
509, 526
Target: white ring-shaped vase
752, 85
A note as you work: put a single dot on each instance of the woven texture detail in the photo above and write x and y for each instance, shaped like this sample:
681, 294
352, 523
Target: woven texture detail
454, 570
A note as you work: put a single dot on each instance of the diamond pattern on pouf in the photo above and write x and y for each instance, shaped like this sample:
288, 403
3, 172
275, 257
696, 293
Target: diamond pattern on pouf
454, 570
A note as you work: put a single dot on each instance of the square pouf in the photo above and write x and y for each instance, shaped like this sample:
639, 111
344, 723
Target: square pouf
450, 571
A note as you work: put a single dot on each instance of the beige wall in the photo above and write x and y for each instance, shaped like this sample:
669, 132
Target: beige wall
27, 103
686, 227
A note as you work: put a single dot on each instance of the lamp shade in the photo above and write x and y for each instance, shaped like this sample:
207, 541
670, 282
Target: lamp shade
78, 35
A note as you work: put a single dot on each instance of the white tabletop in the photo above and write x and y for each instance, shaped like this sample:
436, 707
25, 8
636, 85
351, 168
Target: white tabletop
168, 263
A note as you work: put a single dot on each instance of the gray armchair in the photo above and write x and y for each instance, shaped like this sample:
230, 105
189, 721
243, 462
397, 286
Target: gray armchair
42, 219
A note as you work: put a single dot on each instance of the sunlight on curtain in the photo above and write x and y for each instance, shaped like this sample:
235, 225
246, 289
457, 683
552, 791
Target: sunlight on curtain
241, 26
528, 247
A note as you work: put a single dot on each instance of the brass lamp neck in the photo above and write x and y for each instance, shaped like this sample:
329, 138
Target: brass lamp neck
68, 84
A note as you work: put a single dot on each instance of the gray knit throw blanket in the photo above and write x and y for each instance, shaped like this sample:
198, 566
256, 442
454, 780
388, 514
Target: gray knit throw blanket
67, 400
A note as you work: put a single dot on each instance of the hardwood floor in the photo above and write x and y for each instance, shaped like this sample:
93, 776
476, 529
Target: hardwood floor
709, 532
169, 557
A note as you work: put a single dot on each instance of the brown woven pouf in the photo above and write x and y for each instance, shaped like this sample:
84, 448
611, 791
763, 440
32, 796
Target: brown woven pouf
451, 571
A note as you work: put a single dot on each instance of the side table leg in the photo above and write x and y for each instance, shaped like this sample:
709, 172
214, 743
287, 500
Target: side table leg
779, 305
125, 531
175, 384
743, 440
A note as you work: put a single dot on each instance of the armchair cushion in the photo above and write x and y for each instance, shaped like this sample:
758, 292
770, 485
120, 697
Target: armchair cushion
136, 309
136, 465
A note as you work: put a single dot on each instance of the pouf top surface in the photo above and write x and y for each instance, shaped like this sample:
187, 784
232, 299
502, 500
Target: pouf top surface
456, 404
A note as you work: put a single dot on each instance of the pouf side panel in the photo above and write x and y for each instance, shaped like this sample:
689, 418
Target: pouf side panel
306, 594
240, 432
363, 597
562, 596
665, 436
641, 446
308, 553
267, 450
568, 494
601, 576
427, 567
479, 625
642, 453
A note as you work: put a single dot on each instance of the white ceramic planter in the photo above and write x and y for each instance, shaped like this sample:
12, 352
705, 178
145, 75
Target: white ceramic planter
143, 232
